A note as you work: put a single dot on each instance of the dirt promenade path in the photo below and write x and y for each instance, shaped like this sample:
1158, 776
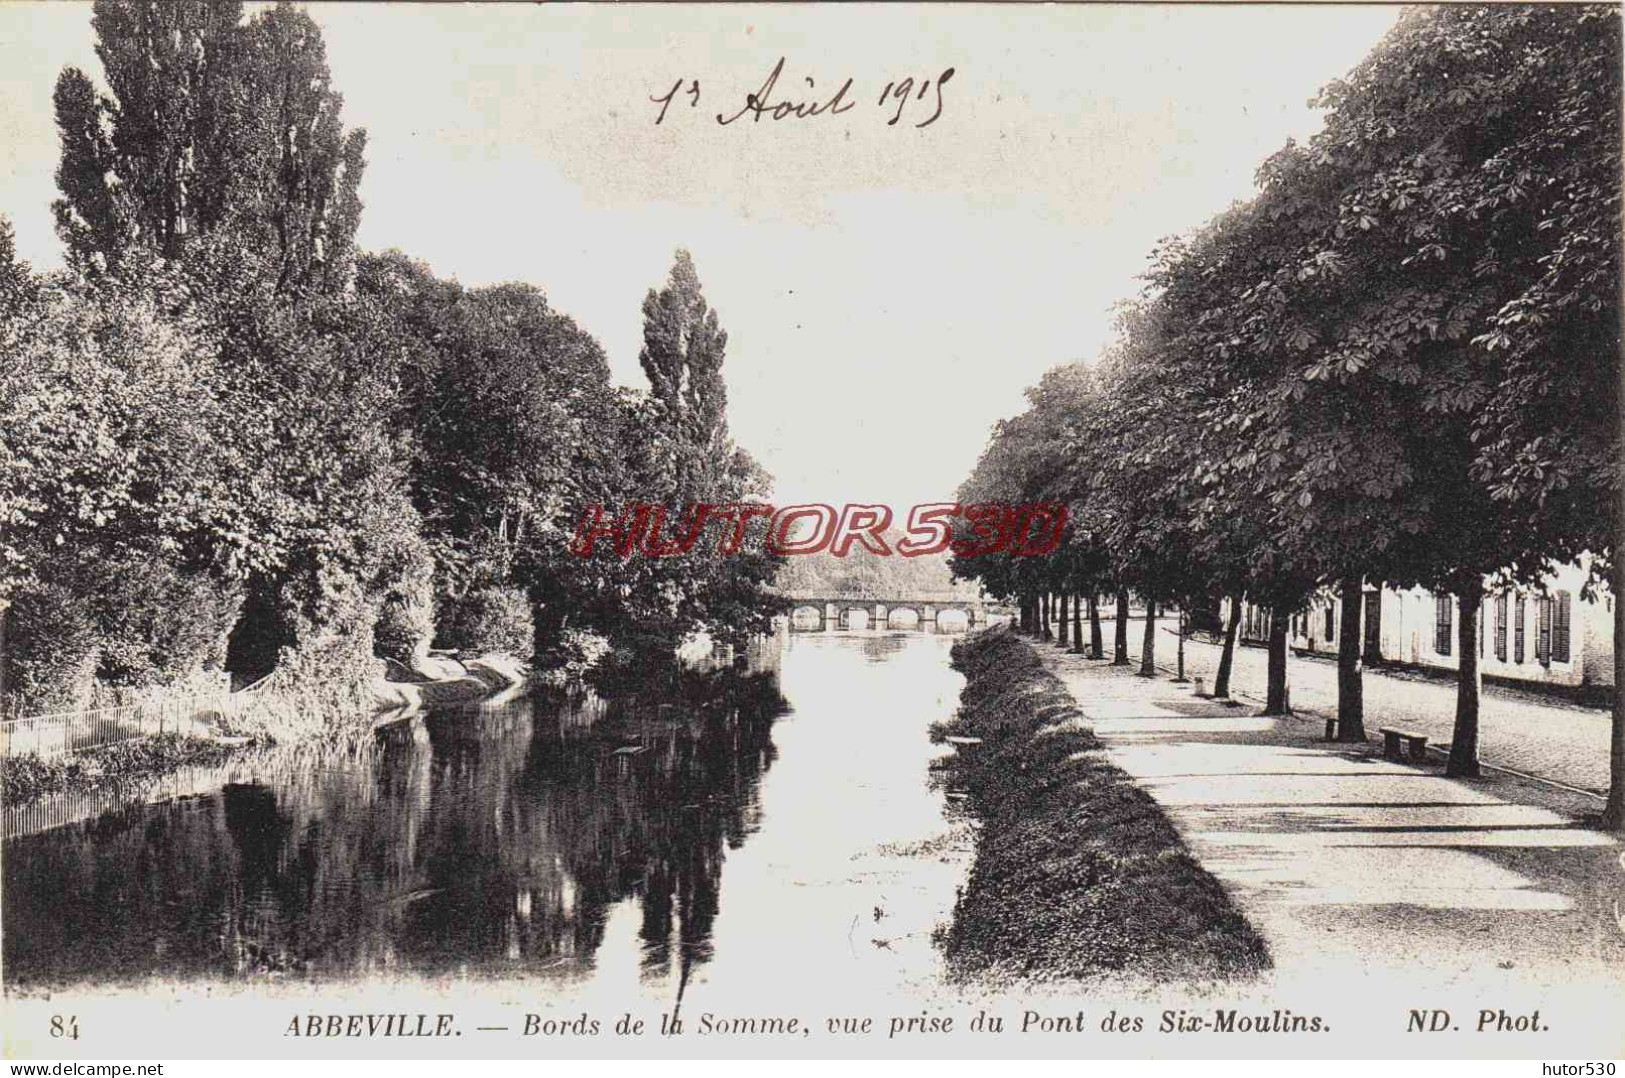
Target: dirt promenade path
1342, 859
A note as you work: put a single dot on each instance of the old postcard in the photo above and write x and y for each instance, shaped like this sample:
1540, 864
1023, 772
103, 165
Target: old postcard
811, 531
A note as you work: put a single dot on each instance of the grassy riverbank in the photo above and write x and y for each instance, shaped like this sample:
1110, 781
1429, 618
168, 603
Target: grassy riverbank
1078, 872
26, 778
283, 715
279, 715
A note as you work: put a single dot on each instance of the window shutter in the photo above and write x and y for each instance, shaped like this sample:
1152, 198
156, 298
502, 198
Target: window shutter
1517, 630
1543, 642
1501, 602
1560, 628
1442, 625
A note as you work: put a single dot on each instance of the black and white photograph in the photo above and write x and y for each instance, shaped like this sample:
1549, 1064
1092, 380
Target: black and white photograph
799, 531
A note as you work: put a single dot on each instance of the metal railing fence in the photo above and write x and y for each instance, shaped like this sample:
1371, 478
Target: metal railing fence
63, 732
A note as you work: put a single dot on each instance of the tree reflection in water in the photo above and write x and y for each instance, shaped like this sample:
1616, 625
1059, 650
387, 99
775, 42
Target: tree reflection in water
473, 842
877, 649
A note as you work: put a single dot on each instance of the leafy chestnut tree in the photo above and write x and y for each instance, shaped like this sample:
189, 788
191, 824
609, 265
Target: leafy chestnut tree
1410, 233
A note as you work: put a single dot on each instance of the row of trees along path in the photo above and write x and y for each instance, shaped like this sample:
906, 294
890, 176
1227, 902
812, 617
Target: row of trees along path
1398, 362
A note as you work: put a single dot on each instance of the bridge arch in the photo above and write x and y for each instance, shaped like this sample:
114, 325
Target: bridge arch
807, 610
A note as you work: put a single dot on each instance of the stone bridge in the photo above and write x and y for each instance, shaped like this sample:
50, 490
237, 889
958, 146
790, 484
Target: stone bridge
835, 611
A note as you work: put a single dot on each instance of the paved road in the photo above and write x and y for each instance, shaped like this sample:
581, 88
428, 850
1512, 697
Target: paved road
1353, 867
1553, 740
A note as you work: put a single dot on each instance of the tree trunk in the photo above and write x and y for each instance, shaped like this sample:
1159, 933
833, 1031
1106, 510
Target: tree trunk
1614, 810
1613, 813
1350, 682
1180, 629
548, 620
1077, 622
1023, 615
1469, 686
1060, 627
1148, 646
1120, 652
1275, 702
1227, 655
1043, 604
1097, 649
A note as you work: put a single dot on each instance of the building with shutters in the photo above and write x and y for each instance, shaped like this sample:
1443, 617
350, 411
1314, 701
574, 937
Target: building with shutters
1552, 635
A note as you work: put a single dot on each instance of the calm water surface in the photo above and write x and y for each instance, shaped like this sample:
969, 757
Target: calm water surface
785, 833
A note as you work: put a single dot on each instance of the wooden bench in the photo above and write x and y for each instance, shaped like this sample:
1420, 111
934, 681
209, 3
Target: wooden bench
1416, 744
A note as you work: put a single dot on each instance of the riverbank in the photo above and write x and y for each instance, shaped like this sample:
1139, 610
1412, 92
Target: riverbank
27, 778
24, 779
1078, 874
455, 682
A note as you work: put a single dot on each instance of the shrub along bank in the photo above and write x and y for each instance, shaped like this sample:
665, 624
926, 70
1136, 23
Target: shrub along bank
25, 778
1078, 872
324, 713
284, 714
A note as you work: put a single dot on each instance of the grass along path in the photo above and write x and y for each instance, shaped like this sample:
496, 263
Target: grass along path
1078, 873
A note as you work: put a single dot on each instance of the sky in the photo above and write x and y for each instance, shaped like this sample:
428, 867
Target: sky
888, 290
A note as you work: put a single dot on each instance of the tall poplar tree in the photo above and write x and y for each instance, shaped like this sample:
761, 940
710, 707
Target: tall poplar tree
684, 346
683, 349
211, 128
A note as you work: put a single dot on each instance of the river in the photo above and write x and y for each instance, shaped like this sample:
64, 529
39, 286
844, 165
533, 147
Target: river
785, 831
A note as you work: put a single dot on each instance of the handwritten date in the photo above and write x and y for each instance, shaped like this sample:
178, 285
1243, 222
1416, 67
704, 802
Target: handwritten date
770, 102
